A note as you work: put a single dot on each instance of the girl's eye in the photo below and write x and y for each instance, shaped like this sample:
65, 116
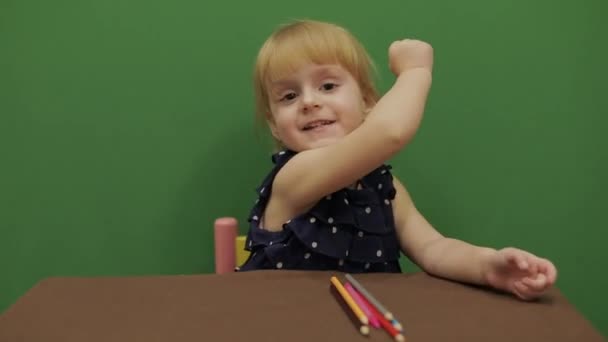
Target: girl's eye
328, 86
288, 97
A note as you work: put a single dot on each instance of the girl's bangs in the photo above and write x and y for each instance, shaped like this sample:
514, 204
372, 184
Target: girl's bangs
291, 53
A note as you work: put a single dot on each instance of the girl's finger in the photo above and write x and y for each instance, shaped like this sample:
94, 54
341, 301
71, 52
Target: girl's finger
546, 267
521, 290
550, 271
533, 263
516, 258
538, 283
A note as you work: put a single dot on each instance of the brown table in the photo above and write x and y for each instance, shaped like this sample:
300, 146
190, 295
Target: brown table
278, 306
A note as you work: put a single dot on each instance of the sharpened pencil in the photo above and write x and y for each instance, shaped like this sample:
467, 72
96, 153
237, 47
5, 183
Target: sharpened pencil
387, 314
363, 328
373, 320
349, 300
390, 329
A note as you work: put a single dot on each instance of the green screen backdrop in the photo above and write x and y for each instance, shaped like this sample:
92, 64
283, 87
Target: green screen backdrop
126, 128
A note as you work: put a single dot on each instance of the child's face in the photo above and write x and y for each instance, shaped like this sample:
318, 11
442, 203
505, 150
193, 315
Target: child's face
315, 106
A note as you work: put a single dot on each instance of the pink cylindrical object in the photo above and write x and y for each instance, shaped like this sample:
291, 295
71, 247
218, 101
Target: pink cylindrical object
225, 231
373, 320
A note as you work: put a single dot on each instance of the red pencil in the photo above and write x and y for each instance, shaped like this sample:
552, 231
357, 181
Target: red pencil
373, 321
383, 321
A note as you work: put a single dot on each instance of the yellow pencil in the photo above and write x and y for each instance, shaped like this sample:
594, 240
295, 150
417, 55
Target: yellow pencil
363, 328
349, 300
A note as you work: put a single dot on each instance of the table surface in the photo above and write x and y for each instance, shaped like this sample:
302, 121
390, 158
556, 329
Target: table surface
279, 306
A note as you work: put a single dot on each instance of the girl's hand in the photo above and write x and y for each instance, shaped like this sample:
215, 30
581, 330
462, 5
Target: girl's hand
522, 273
408, 54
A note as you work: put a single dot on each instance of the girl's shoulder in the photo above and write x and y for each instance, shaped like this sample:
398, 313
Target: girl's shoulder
279, 159
282, 157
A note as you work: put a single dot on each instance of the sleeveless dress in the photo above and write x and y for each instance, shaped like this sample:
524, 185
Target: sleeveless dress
351, 230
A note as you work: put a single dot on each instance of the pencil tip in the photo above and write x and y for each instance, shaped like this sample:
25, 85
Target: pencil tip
364, 330
399, 338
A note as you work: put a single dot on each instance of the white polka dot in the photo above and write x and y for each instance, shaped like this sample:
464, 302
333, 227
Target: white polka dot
250, 243
262, 190
330, 220
334, 229
314, 244
307, 255
366, 265
346, 253
379, 186
346, 201
360, 234
271, 242
387, 202
257, 201
341, 262
279, 264
288, 221
368, 210
379, 253
328, 197
383, 171
312, 220
255, 218
281, 153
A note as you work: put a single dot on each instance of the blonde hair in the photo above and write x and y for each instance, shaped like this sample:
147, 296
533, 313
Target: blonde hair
306, 41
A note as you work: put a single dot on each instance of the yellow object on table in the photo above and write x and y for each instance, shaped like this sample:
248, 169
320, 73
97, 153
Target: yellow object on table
241, 253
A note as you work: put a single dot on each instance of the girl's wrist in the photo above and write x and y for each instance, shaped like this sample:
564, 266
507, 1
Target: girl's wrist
421, 71
486, 261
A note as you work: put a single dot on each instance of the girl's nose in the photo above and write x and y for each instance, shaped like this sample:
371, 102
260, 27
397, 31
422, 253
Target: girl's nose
309, 101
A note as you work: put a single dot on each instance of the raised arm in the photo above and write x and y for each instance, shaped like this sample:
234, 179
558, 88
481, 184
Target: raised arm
389, 126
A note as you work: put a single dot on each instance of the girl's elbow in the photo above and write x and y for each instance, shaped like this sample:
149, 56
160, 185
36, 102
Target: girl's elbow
400, 136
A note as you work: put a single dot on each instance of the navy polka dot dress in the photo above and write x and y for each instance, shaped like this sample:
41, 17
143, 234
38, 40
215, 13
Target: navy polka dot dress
351, 230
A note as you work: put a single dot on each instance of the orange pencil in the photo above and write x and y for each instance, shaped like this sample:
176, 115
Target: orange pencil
349, 300
363, 329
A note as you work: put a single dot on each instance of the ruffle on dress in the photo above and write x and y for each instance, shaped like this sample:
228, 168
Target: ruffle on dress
351, 230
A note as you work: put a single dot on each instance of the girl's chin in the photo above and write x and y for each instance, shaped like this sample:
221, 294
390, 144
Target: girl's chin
322, 142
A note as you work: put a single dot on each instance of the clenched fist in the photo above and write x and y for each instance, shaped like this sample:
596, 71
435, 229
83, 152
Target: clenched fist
408, 54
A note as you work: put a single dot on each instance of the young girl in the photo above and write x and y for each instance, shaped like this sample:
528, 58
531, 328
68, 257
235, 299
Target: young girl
330, 203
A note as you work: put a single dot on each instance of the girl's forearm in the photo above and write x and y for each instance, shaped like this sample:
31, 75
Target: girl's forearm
456, 260
399, 111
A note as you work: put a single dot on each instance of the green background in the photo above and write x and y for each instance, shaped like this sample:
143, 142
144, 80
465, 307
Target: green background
126, 128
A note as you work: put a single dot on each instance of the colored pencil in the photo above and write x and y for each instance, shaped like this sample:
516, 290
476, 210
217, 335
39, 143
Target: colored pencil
390, 329
363, 328
349, 300
369, 297
397, 325
373, 320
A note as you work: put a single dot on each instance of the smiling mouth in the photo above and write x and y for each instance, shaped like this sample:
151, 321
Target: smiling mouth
317, 124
